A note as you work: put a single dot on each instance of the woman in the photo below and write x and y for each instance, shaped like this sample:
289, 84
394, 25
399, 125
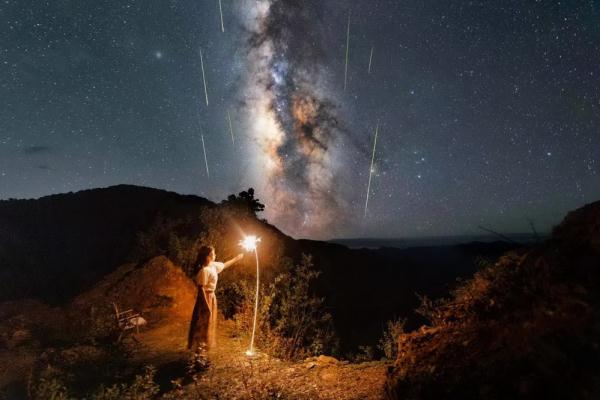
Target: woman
202, 335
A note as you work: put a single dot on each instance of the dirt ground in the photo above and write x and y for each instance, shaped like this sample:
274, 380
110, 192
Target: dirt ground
162, 344
233, 375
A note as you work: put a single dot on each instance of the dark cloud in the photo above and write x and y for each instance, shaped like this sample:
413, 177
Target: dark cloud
33, 150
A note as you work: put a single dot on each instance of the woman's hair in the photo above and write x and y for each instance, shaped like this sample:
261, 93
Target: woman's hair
203, 254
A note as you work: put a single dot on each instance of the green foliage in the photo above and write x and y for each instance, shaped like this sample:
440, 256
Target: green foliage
292, 320
260, 386
179, 239
232, 295
244, 316
431, 309
49, 386
298, 316
364, 354
97, 326
143, 387
388, 343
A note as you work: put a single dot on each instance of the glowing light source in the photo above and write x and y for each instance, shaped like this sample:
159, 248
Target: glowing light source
249, 243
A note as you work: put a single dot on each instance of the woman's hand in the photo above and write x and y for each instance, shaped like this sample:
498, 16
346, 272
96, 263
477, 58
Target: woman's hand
234, 260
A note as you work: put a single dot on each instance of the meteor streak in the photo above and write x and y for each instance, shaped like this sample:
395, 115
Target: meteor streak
230, 128
203, 77
347, 45
370, 59
221, 12
205, 159
371, 169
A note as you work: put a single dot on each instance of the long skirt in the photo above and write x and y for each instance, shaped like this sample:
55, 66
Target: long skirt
203, 328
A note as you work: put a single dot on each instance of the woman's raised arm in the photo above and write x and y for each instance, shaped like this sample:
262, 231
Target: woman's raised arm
233, 260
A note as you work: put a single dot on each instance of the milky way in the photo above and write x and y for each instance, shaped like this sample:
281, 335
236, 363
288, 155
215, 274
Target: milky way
488, 110
292, 118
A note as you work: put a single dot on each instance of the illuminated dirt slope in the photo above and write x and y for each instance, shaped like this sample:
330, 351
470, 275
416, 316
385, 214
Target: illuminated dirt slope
526, 327
37, 338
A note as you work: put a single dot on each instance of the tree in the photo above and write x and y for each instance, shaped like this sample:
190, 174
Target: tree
244, 201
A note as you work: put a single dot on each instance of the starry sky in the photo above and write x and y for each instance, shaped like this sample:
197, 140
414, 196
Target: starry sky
488, 112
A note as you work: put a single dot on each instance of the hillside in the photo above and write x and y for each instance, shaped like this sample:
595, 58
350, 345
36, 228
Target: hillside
521, 326
60, 349
57, 246
526, 327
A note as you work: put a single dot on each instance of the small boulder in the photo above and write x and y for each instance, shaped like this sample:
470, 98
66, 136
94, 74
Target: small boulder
327, 360
18, 338
311, 365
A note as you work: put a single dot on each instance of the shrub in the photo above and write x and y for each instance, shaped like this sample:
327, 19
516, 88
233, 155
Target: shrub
298, 315
178, 239
49, 387
388, 343
292, 321
143, 387
431, 309
364, 353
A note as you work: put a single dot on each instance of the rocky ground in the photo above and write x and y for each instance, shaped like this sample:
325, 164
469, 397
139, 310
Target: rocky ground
35, 338
525, 327
233, 375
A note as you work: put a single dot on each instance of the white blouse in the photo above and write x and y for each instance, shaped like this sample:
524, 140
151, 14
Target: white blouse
209, 275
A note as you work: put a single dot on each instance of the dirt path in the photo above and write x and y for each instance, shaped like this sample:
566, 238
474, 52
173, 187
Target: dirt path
232, 375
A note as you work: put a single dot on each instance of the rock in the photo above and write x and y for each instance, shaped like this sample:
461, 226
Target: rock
311, 365
18, 338
327, 360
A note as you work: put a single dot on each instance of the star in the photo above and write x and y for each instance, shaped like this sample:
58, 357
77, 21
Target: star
506, 115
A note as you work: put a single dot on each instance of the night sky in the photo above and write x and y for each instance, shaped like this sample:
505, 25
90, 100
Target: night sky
488, 111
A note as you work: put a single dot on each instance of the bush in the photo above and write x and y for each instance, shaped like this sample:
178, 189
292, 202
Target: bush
388, 343
298, 316
178, 239
292, 321
143, 387
49, 386
364, 353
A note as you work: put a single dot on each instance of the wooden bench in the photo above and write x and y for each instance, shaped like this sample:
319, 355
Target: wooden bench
128, 320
